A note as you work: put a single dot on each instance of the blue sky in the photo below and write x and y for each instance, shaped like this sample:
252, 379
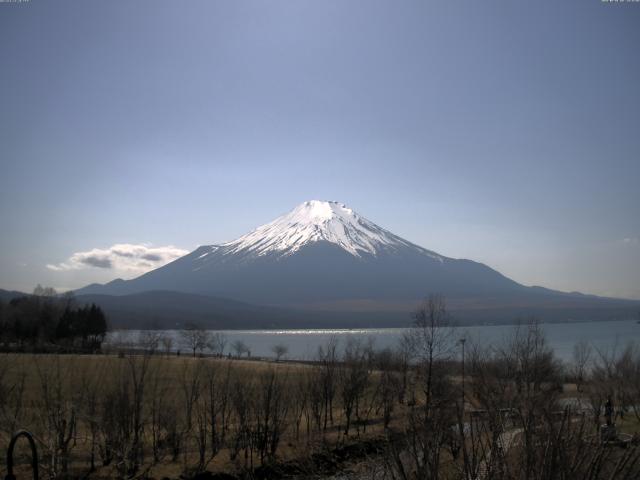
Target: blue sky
504, 132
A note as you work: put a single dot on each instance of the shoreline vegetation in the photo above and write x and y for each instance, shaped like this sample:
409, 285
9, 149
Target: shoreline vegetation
420, 410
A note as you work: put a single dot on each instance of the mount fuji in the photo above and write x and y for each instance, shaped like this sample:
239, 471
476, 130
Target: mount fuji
323, 256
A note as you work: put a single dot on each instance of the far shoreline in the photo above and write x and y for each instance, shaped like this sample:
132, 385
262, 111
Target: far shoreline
523, 321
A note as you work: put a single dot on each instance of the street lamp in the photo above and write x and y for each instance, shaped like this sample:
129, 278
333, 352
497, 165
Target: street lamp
462, 342
461, 422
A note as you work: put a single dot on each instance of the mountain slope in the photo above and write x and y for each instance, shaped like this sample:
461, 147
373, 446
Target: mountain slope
320, 251
165, 309
168, 310
324, 256
8, 295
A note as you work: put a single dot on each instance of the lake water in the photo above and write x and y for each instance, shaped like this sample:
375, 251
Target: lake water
303, 344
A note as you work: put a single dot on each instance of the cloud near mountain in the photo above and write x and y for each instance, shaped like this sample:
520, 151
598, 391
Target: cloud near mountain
129, 259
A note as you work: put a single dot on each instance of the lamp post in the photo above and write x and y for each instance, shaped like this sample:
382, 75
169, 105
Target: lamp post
462, 342
461, 422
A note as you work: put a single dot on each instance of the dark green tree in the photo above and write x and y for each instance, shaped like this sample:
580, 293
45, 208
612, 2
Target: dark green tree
67, 325
95, 327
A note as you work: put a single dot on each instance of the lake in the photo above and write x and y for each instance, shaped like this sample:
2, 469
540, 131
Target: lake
303, 344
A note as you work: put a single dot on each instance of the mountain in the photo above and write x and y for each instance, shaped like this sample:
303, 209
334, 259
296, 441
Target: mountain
319, 252
163, 309
167, 310
170, 310
8, 295
323, 256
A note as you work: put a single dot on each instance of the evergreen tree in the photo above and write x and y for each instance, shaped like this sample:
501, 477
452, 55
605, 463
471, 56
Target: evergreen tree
95, 326
66, 324
44, 318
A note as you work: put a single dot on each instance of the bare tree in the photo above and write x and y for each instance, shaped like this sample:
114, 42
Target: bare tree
431, 341
122, 418
243, 394
614, 376
167, 343
279, 350
12, 391
191, 379
57, 413
195, 338
300, 400
388, 385
217, 343
45, 292
158, 404
149, 340
91, 379
217, 384
534, 376
316, 389
138, 370
240, 348
581, 356
271, 408
520, 431
354, 376
328, 360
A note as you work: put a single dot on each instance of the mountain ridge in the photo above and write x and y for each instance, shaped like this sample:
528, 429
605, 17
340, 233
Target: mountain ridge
324, 253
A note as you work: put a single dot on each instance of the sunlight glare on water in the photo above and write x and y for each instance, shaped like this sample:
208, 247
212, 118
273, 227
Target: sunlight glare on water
303, 344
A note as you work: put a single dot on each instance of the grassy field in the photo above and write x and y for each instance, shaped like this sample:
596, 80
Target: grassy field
154, 416
84, 406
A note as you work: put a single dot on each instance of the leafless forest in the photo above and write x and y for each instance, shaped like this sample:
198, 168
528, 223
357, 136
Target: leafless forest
510, 411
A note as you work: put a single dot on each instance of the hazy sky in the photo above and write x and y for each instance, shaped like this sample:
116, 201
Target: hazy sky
506, 132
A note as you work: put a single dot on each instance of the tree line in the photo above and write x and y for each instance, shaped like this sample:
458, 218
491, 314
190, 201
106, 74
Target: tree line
46, 321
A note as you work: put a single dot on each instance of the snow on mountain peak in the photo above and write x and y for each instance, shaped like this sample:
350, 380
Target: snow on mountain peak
318, 212
316, 221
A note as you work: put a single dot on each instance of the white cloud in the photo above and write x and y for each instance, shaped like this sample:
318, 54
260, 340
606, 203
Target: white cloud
631, 241
126, 258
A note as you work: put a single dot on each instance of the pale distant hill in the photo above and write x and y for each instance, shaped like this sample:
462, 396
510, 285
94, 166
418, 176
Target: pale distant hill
8, 295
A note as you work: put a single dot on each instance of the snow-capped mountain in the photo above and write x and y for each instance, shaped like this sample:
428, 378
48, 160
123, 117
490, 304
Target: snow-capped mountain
317, 221
325, 256
319, 252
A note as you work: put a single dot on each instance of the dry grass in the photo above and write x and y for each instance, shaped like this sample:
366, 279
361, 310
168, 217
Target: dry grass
71, 378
